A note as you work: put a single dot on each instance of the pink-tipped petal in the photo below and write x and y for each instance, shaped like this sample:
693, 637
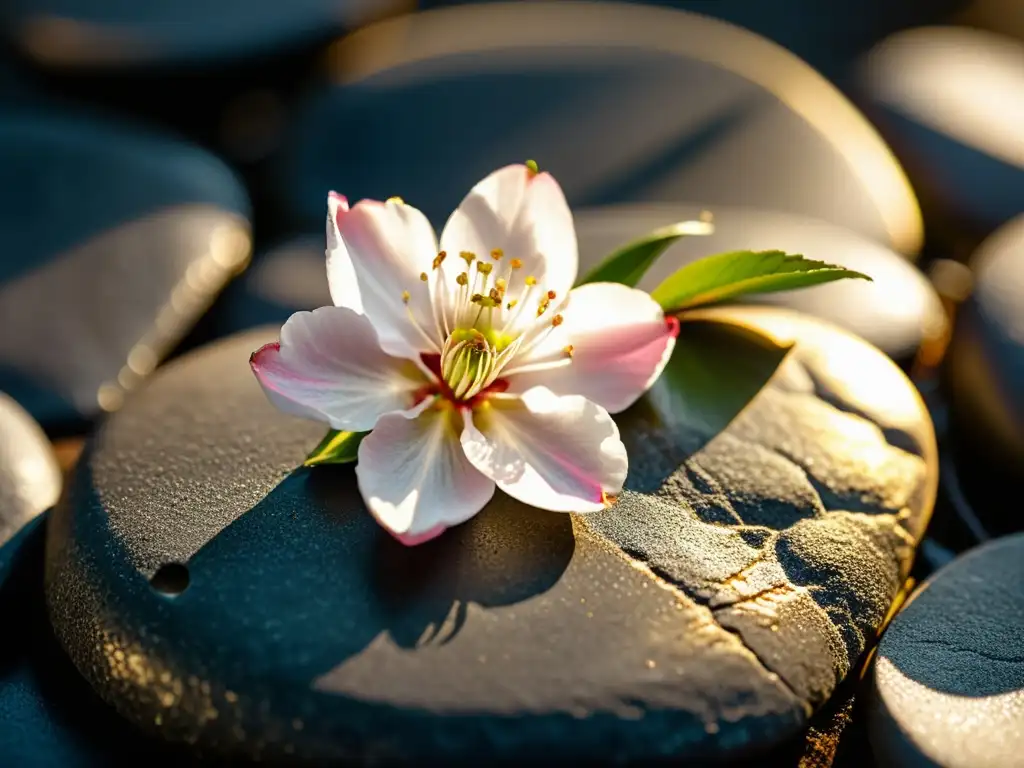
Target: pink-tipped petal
558, 453
341, 275
621, 342
329, 367
390, 246
526, 216
415, 478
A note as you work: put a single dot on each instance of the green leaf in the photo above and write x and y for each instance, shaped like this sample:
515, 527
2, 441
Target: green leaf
630, 263
729, 275
715, 370
336, 448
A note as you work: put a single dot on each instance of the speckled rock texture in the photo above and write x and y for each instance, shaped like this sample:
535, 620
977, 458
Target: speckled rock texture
205, 586
948, 680
30, 479
114, 241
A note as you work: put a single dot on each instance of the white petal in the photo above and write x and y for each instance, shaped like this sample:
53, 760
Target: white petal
415, 477
329, 367
341, 275
557, 453
621, 343
391, 244
526, 216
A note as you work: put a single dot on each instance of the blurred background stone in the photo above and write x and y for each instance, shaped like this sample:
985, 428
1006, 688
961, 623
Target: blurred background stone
622, 103
948, 679
30, 478
951, 102
986, 377
113, 241
113, 34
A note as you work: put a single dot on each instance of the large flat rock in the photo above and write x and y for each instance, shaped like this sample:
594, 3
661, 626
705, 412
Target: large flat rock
217, 595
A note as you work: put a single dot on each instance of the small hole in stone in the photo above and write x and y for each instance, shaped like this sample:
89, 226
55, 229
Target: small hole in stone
170, 579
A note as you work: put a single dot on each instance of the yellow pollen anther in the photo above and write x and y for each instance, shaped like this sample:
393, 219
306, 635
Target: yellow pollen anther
439, 259
396, 199
500, 284
467, 256
484, 268
462, 279
531, 168
405, 296
516, 263
569, 350
556, 321
497, 253
423, 276
531, 280
542, 306
511, 303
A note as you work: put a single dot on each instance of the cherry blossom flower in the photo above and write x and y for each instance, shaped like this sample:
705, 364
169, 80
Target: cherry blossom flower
475, 362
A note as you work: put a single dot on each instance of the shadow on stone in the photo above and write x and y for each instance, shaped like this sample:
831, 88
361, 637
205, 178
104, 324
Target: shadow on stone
321, 580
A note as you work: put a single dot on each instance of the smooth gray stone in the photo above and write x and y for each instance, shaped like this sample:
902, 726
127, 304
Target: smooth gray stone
897, 312
948, 681
30, 480
950, 100
622, 103
113, 241
219, 596
987, 355
114, 34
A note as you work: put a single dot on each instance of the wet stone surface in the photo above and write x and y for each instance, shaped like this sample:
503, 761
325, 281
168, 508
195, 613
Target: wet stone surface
948, 681
113, 241
202, 583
